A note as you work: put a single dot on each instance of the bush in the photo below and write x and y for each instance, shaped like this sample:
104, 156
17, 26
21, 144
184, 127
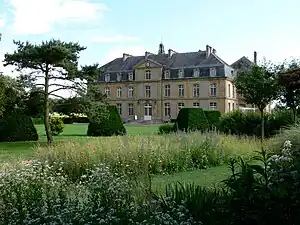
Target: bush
167, 128
80, 119
15, 125
192, 119
37, 120
213, 118
108, 126
67, 120
56, 125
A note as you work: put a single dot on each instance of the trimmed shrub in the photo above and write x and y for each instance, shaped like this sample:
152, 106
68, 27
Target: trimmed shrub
56, 125
111, 125
213, 117
67, 120
192, 119
80, 119
167, 128
15, 125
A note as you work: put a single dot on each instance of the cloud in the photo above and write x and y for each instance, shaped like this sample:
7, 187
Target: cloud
39, 16
118, 52
114, 39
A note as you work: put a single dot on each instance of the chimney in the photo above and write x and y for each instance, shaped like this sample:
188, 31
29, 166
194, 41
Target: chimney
147, 54
255, 57
125, 56
208, 51
214, 51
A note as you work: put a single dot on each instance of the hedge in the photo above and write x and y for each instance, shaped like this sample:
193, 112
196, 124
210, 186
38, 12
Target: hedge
15, 125
192, 119
112, 125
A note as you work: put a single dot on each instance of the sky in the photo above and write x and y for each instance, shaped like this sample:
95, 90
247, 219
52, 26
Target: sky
109, 28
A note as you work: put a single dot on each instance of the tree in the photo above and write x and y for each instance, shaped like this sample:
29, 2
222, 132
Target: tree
289, 80
50, 62
34, 102
258, 86
69, 106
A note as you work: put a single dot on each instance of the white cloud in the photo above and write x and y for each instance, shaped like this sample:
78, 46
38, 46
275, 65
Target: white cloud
2, 21
118, 52
114, 39
39, 16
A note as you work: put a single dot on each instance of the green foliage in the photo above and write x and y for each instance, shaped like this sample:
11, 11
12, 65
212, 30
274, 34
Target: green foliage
213, 117
56, 125
107, 125
37, 120
167, 128
34, 104
15, 125
239, 123
191, 119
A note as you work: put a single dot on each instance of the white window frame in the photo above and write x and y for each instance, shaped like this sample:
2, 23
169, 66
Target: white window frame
212, 72
107, 77
196, 73
167, 109
180, 73
181, 90
119, 108
196, 90
119, 92
130, 76
213, 106
167, 90
196, 105
147, 74
213, 90
167, 74
180, 105
130, 109
107, 91
148, 91
148, 109
130, 92
119, 77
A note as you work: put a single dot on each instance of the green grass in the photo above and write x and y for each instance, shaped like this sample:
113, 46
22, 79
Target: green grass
25, 150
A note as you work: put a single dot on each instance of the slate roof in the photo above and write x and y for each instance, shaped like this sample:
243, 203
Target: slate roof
177, 60
242, 63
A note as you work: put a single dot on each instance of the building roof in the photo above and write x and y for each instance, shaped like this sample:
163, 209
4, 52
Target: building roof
177, 60
242, 63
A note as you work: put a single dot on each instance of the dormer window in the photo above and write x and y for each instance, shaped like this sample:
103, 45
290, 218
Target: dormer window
147, 74
130, 76
167, 74
119, 77
107, 77
196, 73
180, 73
212, 72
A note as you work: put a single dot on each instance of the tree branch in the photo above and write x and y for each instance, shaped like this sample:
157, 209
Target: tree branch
58, 96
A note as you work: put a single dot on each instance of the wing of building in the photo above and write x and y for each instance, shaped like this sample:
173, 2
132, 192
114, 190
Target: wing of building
156, 86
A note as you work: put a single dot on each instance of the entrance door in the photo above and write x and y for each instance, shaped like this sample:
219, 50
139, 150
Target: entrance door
148, 111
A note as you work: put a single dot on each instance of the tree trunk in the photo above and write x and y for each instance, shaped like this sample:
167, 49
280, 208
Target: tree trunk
46, 111
262, 126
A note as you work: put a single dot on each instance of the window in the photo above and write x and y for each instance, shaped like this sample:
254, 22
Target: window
233, 91
148, 109
233, 106
229, 90
180, 73
167, 109
147, 91
130, 76
181, 90
167, 74
167, 90
130, 109
196, 73
107, 78
180, 106
130, 92
196, 90
147, 74
119, 77
229, 107
213, 106
119, 92
107, 91
119, 108
213, 90
212, 72
196, 104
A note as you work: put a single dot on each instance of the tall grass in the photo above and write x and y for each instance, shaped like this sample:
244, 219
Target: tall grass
153, 154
